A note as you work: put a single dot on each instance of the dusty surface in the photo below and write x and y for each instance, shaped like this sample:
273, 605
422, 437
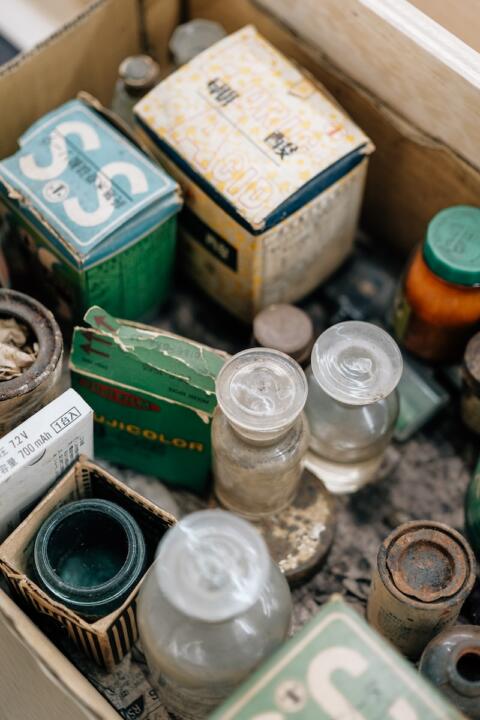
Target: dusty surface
428, 482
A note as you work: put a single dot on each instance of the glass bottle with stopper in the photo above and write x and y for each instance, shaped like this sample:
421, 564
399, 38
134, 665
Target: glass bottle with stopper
352, 403
212, 608
136, 76
259, 432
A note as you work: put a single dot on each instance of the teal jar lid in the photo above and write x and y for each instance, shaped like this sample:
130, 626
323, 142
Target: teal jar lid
452, 245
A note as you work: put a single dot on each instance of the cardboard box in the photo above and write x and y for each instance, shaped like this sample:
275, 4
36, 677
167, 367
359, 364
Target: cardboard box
153, 394
336, 667
40, 450
91, 218
273, 172
108, 639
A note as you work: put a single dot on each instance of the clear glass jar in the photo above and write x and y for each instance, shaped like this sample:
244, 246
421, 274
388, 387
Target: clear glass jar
213, 606
192, 38
259, 433
352, 402
136, 76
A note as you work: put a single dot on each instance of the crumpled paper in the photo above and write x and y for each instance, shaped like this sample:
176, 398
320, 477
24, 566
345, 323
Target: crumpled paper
15, 353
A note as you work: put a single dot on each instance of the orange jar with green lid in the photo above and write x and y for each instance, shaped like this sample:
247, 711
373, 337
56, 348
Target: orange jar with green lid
438, 306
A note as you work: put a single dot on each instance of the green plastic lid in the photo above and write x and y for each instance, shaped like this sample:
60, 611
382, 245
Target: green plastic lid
452, 245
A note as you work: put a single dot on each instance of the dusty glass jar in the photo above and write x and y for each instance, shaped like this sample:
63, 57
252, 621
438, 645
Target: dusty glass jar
212, 607
259, 433
451, 661
352, 402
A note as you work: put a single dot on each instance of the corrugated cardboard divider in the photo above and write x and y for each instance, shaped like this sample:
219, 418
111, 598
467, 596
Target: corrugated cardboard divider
106, 640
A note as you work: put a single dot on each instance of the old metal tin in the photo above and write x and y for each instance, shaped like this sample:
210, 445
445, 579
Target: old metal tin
425, 570
286, 328
470, 402
37, 385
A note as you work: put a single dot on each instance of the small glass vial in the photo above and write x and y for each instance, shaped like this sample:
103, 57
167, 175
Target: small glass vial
259, 433
451, 661
212, 608
352, 402
136, 76
286, 328
191, 38
470, 403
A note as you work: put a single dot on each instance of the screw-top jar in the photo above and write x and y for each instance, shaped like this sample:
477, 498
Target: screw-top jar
37, 385
137, 75
438, 306
451, 661
212, 607
259, 433
352, 402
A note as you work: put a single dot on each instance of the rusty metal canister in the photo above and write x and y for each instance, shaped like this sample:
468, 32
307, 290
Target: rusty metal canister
470, 403
39, 383
425, 571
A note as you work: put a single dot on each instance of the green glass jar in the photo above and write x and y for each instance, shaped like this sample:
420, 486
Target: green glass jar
472, 511
89, 555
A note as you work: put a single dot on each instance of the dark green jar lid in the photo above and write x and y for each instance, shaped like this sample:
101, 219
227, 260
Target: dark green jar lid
89, 555
452, 245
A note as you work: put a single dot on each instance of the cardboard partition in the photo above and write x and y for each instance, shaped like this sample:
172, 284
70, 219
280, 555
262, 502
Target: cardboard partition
109, 638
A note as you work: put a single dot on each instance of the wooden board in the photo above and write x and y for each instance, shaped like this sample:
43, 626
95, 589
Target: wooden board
460, 18
403, 57
411, 175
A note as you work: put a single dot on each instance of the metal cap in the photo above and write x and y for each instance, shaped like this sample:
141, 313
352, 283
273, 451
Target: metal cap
139, 72
428, 561
286, 328
471, 360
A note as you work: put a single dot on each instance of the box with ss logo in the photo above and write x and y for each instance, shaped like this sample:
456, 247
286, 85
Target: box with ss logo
336, 668
92, 219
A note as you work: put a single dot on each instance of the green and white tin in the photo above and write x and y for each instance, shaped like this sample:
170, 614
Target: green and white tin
92, 219
336, 668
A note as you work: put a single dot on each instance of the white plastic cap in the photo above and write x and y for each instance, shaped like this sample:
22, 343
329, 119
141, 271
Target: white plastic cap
212, 565
261, 391
356, 363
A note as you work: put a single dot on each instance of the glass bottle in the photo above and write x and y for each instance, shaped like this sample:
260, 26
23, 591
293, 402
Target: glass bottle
259, 433
437, 308
136, 76
352, 402
212, 607
451, 661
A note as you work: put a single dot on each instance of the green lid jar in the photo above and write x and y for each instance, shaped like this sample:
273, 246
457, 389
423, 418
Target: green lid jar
472, 511
89, 555
452, 245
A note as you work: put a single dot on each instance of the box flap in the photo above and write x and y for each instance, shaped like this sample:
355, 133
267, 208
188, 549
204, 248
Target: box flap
251, 128
152, 361
85, 184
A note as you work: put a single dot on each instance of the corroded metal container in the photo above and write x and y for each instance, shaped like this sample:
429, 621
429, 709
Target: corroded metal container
470, 403
38, 384
425, 571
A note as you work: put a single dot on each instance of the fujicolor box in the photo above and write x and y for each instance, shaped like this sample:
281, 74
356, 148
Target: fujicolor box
336, 667
153, 394
40, 450
273, 172
92, 219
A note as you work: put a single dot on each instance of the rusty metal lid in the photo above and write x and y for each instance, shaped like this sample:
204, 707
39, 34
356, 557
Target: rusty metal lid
286, 328
44, 328
428, 561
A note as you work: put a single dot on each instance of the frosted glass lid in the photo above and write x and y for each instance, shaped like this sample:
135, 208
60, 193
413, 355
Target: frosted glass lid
212, 565
261, 390
356, 363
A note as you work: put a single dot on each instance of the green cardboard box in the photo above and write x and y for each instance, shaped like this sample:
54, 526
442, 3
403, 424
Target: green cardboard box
153, 395
336, 668
91, 218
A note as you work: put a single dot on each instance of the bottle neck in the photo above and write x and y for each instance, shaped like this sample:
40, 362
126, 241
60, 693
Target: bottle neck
263, 439
464, 668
